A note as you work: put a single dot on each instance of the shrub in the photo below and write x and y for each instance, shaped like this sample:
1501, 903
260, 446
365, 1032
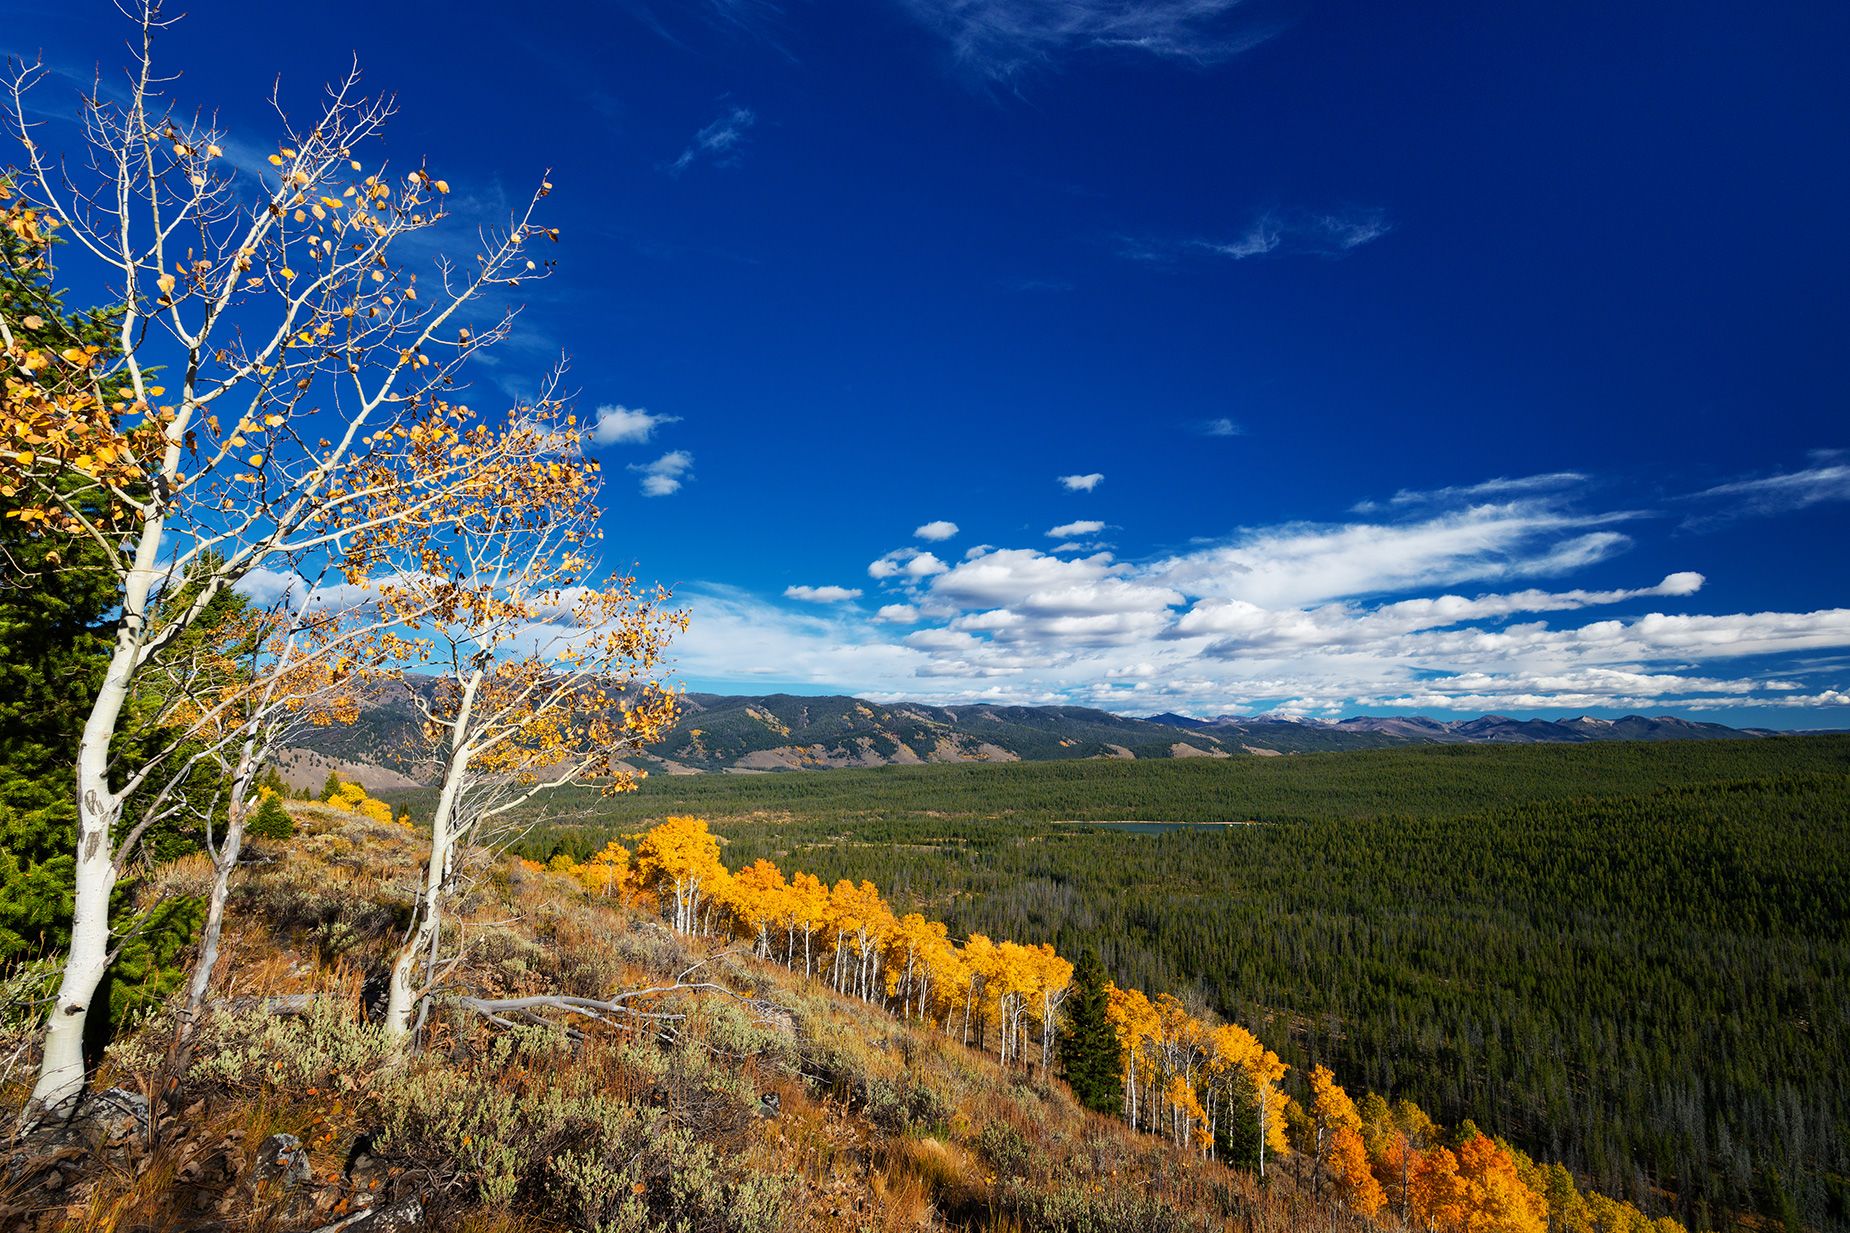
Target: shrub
1005, 1149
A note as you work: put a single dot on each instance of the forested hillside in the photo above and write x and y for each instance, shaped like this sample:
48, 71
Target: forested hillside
1631, 958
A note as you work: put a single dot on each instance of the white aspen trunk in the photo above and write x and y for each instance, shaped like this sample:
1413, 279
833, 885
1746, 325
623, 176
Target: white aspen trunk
61, 1066
1262, 1113
401, 995
224, 864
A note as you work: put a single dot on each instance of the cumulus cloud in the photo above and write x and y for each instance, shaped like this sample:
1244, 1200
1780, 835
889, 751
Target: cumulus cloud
906, 563
1067, 530
1082, 483
936, 531
718, 142
823, 594
619, 425
1436, 600
665, 475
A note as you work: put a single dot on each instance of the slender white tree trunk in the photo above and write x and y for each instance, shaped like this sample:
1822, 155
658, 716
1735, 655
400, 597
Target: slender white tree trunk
224, 864
61, 1067
427, 918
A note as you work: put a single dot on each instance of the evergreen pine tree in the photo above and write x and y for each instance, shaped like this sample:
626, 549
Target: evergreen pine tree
331, 788
1091, 1059
271, 820
52, 598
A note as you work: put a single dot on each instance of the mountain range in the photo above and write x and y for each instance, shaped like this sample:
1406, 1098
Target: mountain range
787, 732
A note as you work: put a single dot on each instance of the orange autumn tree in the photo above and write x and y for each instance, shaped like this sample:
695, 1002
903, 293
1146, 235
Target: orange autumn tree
1341, 1155
304, 364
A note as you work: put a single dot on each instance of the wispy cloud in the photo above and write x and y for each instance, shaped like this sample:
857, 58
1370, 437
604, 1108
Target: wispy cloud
1070, 530
1082, 483
823, 594
1503, 486
1827, 479
665, 475
718, 142
619, 425
998, 39
1273, 234
1222, 427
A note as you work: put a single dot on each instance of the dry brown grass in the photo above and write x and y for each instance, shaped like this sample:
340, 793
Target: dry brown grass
881, 1125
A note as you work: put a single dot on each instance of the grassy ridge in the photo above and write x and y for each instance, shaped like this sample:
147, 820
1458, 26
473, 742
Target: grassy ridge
1632, 957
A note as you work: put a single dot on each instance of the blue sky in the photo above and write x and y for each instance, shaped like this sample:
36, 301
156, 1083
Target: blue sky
1480, 357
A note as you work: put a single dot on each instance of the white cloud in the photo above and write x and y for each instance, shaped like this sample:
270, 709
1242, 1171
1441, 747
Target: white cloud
1082, 483
1001, 38
936, 531
1222, 427
619, 425
1502, 486
1827, 479
1298, 564
1310, 619
1277, 234
666, 474
1085, 526
718, 142
823, 594
907, 563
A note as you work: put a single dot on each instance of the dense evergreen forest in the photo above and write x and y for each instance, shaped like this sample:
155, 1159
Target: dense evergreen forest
1632, 958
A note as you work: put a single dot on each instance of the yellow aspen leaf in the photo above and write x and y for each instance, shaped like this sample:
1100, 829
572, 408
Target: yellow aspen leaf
276, 160
288, 274
165, 283
256, 460
443, 186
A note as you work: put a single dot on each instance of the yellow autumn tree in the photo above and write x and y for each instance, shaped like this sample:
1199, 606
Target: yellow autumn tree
1240, 1066
679, 859
755, 897
1138, 1027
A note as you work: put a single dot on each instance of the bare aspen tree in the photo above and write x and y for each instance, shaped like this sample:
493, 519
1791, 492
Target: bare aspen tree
529, 666
278, 673
303, 394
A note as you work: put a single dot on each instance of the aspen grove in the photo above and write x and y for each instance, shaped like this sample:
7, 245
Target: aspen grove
1210, 1088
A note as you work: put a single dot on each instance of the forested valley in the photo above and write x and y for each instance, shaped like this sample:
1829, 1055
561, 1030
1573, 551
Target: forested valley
1629, 958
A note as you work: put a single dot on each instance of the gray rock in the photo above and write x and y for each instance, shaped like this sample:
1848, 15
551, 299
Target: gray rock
114, 1118
396, 1218
282, 1158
